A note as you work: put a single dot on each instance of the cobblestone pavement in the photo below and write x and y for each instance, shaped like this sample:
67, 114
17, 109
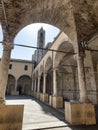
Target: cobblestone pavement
38, 116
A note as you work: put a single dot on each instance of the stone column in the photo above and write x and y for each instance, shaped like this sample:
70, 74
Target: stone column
81, 77
7, 47
32, 86
44, 97
54, 82
16, 85
38, 90
44, 83
35, 86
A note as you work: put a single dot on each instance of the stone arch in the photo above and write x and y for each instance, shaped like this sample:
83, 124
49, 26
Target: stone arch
63, 47
50, 12
10, 84
67, 76
48, 64
41, 69
65, 64
91, 69
49, 78
24, 84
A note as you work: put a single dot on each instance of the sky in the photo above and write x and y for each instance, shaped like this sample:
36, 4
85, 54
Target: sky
28, 36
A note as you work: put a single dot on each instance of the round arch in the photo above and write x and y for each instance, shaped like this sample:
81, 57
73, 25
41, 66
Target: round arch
24, 84
67, 76
63, 47
48, 64
41, 69
41, 12
10, 84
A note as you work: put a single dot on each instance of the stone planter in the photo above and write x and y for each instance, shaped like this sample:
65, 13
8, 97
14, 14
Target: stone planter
11, 117
45, 97
80, 113
57, 102
14, 93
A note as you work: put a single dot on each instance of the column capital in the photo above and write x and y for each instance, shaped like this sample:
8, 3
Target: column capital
55, 68
7, 46
78, 56
45, 74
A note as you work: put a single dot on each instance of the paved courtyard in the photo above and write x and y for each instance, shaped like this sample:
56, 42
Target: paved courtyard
38, 116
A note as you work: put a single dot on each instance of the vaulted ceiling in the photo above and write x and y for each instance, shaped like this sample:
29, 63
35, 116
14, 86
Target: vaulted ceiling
77, 18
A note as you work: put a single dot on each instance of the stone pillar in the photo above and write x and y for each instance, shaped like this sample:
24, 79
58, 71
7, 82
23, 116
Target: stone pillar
81, 77
38, 90
15, 92
44, 83
54, 82
44, 96
7, 47
57, 101
35, 86
32, 87
16, 85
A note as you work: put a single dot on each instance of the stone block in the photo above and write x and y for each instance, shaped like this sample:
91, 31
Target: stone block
80, 113
38, 95
89, 114
11, 117
45, 97
57, 102
14, 93
41, 97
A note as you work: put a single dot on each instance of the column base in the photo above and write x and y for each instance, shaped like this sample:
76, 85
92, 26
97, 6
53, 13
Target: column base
33, 94
57, 102
44, 97
38, 95
50, 100
80, 113
2, 102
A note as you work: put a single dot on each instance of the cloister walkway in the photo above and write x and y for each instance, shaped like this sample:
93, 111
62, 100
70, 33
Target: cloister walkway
39, 116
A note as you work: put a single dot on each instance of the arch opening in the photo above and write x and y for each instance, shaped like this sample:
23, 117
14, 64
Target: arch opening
24, 85
10, 85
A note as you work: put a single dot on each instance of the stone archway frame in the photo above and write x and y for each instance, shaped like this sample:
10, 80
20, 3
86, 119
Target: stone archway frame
57, 13
66, 46
68, 70
21, 85
48, 63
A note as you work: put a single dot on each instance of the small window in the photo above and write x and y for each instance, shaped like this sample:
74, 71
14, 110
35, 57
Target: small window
26, 67
10, 66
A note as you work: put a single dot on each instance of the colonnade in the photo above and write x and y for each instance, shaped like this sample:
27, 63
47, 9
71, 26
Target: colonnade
81, 78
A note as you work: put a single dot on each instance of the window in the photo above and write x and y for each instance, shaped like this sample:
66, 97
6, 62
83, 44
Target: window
10, 66
26, 67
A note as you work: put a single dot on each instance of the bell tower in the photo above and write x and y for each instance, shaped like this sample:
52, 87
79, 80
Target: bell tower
40, 43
